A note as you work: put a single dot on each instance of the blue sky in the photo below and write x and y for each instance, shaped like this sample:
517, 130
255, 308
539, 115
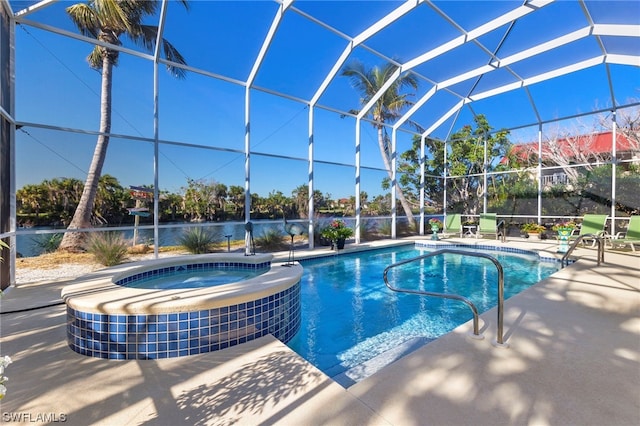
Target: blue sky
55, 86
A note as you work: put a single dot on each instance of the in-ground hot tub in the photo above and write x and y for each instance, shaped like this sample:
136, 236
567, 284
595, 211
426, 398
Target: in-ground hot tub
110, 320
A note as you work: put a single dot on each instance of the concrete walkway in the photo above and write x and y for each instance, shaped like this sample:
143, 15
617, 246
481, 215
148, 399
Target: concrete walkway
573, 359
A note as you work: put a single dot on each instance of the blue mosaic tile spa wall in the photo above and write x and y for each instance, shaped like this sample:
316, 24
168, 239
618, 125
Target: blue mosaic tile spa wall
186, 333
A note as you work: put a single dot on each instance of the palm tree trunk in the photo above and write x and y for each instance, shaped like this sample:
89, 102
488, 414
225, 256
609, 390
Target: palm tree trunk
74, 241
399, 194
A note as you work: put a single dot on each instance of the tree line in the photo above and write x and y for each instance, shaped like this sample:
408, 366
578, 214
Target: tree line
53, 202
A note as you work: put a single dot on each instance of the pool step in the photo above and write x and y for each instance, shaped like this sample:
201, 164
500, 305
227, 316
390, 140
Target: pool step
368, 368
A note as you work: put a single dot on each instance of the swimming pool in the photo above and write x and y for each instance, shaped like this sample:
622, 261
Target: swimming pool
349, 317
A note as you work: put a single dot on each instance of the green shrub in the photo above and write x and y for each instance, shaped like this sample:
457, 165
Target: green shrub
384, 228
271, 240
404, 229
47, 243
368, 231
109, 248
533, 227
197, 240
336, 230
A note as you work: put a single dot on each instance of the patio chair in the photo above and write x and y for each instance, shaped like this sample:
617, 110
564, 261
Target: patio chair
592, 224
452, 224
630, 237
488, 225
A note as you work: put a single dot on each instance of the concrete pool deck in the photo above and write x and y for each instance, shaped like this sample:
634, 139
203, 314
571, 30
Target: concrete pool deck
574, 359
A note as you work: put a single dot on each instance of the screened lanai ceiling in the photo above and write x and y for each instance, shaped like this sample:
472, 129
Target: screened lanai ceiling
518, 63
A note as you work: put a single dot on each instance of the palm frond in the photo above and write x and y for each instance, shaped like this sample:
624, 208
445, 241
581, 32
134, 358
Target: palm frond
145, 36
369, 82
137, 9
113, 14
95, 58
107, 20
172, 54
360, 79
85, 19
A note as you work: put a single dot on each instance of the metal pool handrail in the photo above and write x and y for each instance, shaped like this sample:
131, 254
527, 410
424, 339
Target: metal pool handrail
503, 234
499, 337
597, 238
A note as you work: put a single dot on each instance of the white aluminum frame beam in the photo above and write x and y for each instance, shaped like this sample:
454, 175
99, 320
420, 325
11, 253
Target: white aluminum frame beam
626, 30
598, 29
446, 47
34, 8
156, 134
616, 30
394, 131
89, 40
623, 60
369, 32
514, 14
247, 116
393, 16
517, 85
559, 41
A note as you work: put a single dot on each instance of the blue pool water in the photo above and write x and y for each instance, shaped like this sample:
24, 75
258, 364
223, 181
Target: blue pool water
195, 279
350, 317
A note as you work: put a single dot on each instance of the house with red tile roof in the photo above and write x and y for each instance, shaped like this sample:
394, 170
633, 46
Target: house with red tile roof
574, 150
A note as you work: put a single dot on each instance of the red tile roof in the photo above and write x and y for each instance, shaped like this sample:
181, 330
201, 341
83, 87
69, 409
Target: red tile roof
598, 143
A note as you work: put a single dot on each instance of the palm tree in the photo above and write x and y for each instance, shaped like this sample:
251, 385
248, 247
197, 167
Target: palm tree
388, 108
29, 199
108, 21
